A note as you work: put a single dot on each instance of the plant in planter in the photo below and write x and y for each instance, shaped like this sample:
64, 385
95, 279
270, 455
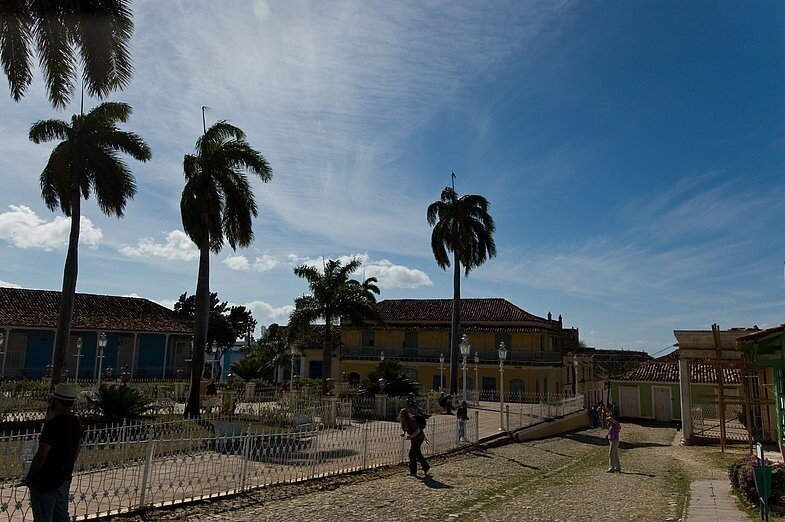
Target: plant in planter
115, 402
742, 479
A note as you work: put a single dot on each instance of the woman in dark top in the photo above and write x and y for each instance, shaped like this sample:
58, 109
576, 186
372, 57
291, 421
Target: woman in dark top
413, 432
463, 415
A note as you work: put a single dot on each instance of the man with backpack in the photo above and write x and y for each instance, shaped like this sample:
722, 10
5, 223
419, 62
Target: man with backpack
415, 412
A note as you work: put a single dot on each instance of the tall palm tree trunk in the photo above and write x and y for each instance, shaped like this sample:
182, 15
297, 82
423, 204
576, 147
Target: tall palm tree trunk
327, 354
455, 331
201, 320
67, 296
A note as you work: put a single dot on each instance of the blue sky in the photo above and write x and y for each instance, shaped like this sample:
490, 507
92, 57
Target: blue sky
632, 153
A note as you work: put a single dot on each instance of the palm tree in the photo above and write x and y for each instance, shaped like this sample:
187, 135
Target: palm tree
334, 296
86, 161
217, 205
464, 227
94, 33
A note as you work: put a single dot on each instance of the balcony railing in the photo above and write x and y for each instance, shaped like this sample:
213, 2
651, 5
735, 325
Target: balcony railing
432, 354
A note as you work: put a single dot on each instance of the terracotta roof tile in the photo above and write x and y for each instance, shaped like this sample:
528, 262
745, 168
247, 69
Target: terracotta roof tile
666, 369
40, 309
486, 310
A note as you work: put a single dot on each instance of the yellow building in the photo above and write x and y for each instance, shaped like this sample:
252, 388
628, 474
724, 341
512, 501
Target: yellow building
416, 332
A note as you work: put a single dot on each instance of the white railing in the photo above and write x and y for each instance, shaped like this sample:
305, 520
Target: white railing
138, 465
128, 467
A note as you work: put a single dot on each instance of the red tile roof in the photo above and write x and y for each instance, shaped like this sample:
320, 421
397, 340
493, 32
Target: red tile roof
40, 309
486, 310
666, 369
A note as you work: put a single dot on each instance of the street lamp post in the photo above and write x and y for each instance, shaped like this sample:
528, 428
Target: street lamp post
465, 348
213, 349
575, 380
441, 372
477, 377
101, 347
292, 354
502, 357
78, 357
2, 350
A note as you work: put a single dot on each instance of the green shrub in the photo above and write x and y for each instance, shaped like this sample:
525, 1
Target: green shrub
120, 402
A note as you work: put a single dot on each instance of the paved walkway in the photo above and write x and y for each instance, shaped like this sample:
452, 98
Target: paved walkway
711, 501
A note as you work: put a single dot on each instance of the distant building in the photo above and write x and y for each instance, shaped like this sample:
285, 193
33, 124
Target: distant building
416, 332
143, 337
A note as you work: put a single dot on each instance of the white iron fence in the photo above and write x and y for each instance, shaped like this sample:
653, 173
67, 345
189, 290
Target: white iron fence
134, 465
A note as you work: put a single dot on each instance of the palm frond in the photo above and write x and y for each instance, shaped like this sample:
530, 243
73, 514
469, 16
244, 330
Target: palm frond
46, 130
54, 52
15, 45
102, 33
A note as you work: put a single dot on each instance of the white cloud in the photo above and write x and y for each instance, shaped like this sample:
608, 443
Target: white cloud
178, 247
387, 274
397, 276
24, 229
237, 262
265, 313
168, 303
6, 284
265, 263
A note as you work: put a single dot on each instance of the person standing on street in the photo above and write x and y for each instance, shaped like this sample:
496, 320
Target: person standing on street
49, 477
614, 428
463, 415
413, 432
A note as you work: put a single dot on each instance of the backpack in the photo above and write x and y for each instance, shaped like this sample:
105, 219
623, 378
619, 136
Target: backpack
420, 420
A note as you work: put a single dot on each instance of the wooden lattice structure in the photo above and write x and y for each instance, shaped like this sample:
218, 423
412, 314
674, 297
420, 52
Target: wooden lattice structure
764, 352
744, 414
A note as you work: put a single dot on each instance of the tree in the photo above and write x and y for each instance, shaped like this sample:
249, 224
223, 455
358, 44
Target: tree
217, 205
85, 162
93, 33
225, 324
263, 359
463, 227
397, 384
333, 296
243, 322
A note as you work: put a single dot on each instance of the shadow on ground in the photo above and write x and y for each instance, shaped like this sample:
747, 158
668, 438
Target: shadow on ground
594, 440
435, 484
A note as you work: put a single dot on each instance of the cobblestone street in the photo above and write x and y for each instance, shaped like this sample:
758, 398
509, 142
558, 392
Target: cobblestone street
559, 478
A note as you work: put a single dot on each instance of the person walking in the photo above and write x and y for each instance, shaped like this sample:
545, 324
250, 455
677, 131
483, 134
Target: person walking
49, 476
463, 415
614, 428
413, 432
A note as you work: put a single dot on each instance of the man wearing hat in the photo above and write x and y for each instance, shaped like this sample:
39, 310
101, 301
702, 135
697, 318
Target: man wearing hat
49, 478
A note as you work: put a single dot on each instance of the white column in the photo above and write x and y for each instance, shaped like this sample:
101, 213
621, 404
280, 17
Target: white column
166, 352
684, 387
133, 354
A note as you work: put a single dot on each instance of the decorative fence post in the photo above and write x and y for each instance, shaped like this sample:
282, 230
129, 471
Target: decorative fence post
403, 448
148, 467
314, 452
365, 444
246, 459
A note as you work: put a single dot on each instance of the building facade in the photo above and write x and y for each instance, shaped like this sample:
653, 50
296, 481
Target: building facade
144, 339
416, 332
